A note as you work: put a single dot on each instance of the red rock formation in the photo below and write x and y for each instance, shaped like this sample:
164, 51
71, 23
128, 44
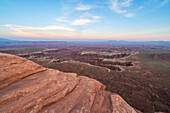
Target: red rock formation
30, 88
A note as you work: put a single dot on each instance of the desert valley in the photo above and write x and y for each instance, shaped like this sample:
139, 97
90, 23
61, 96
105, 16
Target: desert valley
84, 56
138, 72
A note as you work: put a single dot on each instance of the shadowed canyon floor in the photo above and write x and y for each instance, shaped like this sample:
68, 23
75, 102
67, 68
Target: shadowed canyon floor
28, 87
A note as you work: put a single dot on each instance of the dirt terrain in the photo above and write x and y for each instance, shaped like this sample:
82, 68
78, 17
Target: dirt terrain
137, 72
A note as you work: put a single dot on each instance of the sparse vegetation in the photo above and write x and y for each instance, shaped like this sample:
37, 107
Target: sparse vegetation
145, 85
155, 52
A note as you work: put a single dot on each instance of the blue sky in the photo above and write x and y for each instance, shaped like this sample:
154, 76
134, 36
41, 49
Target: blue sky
138, 20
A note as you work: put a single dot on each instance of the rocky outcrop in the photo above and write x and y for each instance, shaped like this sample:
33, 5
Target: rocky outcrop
30, 88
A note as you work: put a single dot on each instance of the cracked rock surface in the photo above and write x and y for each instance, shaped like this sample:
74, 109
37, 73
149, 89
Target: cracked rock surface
26, 87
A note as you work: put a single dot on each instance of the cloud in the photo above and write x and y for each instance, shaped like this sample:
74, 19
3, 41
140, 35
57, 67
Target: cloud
126, 3
117, 6
90, 16
96, 17
85, 18
81, 22
83, 7
47, 31
140, 7
129, 15
57, 28
62, 19
164, 2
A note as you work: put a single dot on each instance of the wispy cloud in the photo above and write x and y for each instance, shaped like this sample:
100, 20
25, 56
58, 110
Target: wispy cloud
139, 8
85, 18
97, 17
62, 19
47, 31
129, 15
117, 6
83, 7
81, 16
126, 3
120, 7
82, 19
81, 22
164, 2
88, 15
57, 28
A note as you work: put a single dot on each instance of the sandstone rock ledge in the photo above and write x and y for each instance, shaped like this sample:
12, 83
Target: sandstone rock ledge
30, 88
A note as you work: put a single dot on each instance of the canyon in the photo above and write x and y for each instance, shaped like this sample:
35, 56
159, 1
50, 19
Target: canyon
30, 88
139, 73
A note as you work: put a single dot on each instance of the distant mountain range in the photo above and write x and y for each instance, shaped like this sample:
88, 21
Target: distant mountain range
92, 41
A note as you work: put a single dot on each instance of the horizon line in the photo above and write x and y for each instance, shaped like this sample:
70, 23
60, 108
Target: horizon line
80, 40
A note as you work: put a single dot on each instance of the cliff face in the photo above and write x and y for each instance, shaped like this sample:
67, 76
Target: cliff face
28, 87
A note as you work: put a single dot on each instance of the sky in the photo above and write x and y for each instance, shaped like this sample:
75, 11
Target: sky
132, 20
